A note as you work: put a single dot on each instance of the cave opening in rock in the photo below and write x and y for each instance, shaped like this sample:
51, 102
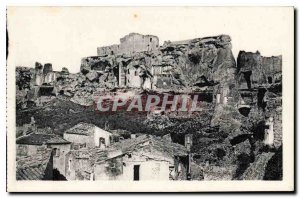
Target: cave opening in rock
261, 103
194, 58
259, 130
270, 80
116, 73
100, 65
244, 111
238, 139
247, 76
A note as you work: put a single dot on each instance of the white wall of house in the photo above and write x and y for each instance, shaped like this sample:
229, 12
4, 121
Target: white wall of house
149, 170
59, 157
91, 140
80, 139
100, 133
269, 133
70, 167
134, 80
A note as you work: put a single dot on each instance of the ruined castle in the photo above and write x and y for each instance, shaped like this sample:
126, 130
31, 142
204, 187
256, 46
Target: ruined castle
240, 115
131, 43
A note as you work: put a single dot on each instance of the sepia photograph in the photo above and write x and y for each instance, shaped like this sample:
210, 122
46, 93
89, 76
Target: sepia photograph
140, 99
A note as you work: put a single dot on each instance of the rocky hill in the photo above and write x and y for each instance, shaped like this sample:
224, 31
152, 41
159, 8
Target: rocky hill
242, 100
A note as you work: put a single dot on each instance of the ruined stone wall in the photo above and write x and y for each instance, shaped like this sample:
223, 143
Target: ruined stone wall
75, 166
138, 43
47, 68
107, 50
272, 67
133, 78
100, 133
131, 43
38, 74
257, 69
60, 157
197, 62
50, 77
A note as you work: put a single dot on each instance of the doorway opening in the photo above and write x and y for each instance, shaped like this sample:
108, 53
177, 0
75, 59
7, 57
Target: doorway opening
136, 172
102, 142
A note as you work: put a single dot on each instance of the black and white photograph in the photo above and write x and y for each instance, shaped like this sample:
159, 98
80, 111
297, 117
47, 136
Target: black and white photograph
162, 95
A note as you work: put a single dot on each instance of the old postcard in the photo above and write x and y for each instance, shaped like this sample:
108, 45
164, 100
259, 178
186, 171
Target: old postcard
150, 99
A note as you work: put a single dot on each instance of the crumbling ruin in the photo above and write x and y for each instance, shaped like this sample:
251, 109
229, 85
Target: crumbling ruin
131, 43
238, 128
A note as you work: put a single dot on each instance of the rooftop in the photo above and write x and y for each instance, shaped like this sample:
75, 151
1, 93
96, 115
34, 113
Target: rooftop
157, 143
33, 167
81, 129
93, 155
40, 139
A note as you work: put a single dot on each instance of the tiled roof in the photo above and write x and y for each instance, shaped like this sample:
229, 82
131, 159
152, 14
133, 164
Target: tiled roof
156, 144
94, 155
91, 153
119, 132
159, 144
81, 129
33, 167
40, 139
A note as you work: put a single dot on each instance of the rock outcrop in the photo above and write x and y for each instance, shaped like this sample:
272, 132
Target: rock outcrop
241, 102
201, 62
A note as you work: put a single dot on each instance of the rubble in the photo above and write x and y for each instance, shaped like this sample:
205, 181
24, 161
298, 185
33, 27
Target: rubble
92, 76
254, 70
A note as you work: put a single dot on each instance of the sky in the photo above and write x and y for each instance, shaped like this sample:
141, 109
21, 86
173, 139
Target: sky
63, 35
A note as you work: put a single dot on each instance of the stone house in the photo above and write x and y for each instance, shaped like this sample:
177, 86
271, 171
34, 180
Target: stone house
35, 167
88, 135
79, 163
143, 158
32, 144
146, 157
